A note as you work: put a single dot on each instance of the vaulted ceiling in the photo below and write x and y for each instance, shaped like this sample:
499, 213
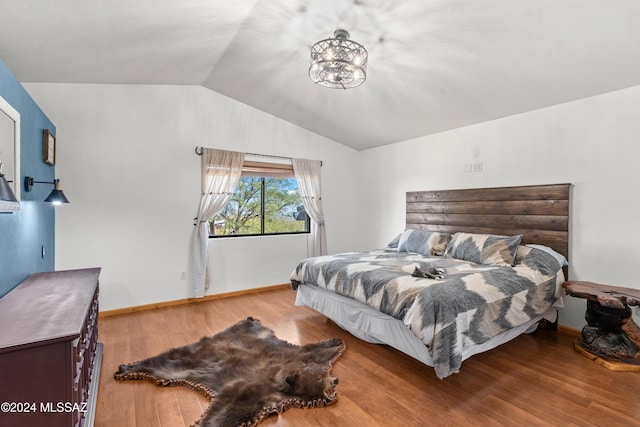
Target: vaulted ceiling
434, 65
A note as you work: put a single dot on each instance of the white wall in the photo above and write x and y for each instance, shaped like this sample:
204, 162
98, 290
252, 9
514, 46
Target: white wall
592, 143
126, 160
127, 163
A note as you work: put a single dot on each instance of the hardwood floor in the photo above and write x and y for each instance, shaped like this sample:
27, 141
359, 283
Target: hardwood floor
534, 380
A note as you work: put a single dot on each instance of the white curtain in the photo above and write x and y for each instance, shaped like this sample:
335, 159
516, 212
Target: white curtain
307, 173
220, 173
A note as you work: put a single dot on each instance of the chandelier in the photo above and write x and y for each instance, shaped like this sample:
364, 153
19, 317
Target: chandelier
338, 63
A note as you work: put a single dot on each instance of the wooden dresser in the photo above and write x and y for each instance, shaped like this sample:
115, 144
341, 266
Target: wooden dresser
49, 351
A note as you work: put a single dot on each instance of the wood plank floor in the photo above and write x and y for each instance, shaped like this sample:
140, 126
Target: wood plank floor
534, 380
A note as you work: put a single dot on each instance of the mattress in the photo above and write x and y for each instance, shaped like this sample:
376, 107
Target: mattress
439, 321
375, 327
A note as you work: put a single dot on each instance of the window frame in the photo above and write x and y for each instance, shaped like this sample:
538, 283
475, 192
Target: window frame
264, 170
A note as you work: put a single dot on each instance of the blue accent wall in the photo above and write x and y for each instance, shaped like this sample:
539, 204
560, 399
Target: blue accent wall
25, 233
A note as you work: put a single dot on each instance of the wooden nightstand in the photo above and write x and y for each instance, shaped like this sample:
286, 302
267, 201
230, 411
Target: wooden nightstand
611, 337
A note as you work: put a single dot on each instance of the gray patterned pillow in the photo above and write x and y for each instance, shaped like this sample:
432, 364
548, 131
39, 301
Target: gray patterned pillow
488, 249
393, 245
423, 242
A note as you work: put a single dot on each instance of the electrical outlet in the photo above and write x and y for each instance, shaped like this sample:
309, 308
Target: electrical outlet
184, 275
477, 167
468, 167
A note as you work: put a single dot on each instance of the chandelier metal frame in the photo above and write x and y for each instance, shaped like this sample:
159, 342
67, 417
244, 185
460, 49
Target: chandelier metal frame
338, 62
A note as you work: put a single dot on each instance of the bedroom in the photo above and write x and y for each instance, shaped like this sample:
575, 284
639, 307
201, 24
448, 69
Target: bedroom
110, 160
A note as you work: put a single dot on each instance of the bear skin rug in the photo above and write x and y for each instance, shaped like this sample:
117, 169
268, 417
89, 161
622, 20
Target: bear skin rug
246, 372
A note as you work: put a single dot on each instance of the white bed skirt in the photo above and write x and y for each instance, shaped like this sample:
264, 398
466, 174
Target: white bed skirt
375, 327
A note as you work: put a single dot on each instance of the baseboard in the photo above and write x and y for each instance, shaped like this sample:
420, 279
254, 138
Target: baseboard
569, 331
135, 309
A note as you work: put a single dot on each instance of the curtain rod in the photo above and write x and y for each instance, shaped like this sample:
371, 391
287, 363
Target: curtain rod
199, 153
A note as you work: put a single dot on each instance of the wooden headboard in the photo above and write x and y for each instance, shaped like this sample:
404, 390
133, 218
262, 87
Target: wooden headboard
539, 212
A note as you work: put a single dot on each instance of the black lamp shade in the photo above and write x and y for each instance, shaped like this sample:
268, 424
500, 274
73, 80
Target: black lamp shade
6, 193
56, 196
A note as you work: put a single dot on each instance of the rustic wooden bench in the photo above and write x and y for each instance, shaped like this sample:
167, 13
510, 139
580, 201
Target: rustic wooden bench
611, 337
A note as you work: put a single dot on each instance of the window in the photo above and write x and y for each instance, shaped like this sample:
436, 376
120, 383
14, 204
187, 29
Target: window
266, 202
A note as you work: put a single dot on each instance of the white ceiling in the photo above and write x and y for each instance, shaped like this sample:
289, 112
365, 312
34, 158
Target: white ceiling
433, 64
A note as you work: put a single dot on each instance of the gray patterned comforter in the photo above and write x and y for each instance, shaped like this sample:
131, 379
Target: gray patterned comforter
471, 304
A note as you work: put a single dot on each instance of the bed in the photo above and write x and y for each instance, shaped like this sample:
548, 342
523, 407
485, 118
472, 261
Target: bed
473, 269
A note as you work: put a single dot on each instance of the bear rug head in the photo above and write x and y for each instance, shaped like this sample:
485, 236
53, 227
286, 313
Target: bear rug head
247, 373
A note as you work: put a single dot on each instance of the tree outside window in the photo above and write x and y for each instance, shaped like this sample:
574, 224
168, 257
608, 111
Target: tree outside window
261, 205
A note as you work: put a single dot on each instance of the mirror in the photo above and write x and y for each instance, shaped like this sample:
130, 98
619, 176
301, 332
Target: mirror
10, 152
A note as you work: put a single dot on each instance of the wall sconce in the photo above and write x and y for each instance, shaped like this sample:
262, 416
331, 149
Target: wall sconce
56, 197
6, 193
